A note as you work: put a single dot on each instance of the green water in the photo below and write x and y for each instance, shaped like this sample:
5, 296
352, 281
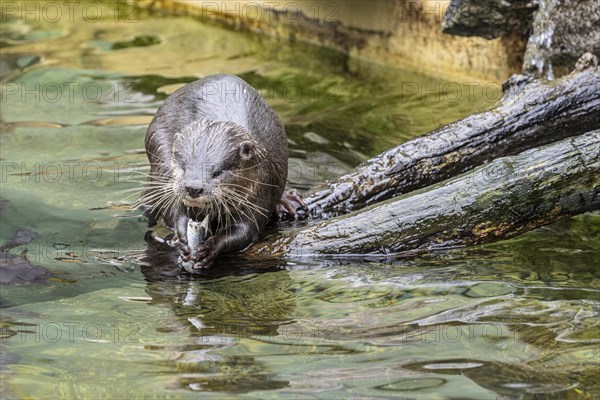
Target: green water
517, 319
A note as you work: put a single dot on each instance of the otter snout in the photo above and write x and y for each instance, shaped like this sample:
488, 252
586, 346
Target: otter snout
194, 191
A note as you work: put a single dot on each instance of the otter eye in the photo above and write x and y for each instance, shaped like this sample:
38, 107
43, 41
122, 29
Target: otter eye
218, 173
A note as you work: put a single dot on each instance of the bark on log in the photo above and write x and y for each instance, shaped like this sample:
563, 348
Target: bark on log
499, 200
530, 114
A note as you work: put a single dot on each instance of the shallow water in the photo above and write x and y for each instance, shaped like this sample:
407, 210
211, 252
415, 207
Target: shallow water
517, 319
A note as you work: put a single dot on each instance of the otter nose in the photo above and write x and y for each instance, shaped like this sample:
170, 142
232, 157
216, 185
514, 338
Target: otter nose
194, 191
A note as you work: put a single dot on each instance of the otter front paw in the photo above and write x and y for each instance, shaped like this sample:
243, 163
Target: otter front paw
185, 258
291, 206
203, 258
185, 252
205, 255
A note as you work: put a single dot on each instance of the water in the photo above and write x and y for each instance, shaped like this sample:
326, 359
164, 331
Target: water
516, 319
539, 46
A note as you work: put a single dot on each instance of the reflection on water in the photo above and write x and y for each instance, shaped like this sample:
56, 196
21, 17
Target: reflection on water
110, 318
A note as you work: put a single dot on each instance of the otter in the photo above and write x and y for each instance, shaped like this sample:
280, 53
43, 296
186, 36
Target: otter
218, 153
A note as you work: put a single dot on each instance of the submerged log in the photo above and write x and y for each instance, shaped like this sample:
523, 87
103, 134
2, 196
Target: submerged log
530, 114
499, 200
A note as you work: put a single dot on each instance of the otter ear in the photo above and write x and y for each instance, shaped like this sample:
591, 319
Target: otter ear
246, 148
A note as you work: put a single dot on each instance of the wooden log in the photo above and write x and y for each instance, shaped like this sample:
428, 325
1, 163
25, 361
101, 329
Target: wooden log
530, 114
499, 200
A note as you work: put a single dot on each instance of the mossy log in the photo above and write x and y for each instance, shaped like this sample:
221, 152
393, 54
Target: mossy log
531, 113
499, 200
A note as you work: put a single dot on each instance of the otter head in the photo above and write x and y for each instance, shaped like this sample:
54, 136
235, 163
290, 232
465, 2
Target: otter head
208, 158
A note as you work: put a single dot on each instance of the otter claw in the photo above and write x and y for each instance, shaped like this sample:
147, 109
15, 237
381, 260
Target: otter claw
291, 206
198, 266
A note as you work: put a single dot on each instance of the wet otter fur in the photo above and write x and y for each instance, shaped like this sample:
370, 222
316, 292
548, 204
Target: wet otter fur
217, 148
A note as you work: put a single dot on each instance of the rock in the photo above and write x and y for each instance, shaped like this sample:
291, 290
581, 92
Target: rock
562, 31
488, 18
17, 269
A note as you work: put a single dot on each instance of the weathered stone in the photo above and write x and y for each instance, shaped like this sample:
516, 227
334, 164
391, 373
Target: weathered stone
488, 18
18, 270
399, 33
562, 31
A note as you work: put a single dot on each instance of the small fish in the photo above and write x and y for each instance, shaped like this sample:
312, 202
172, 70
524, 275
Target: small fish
196, 235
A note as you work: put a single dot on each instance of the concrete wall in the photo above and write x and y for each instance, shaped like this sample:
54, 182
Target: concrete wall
404, 33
